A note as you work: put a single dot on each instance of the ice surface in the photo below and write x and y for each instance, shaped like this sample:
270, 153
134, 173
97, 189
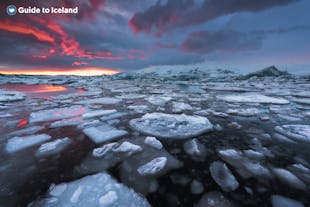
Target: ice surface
103, 101
153, 167
92, 114
16, 144
56, 114
158, 100
195, 149
67, 122
179, 107
171, 125
244, 111
253, 98
7, 96
214, 199
127, 147
153, 142
281, 201
103, 133
223, 176
299, 133
112, 116
95, 190
101, 151
26, 131
289, 178
53, 147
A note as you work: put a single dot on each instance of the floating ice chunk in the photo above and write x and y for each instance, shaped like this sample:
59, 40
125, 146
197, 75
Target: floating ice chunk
112, 116
57, 190
138, 108
196, 187
158, 100
28, 130
89, 124
252, 98
95, 190
178, 126
103, 133
131, 96
223, 176
103, 101
195, 149
56, 114
253, 154
5, 115
243, 112
153, 142
179, 107
300, 133
289, 178
54, 147
7, 96
129, 148
305, 101
96, 113
214, 199
76, 195
66, 122
281, 201
109, 198
16, 144
101, 151
153, 167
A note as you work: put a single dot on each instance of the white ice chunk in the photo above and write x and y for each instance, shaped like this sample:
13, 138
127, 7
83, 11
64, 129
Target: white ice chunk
16, 144
223, 176
56, 114
101, 151
103, 101
252, 98
129, 148
196, 187
281, 201
103, 133
153, 167
158, 100
95, 190
28, 130
96, 113
214, 199
296, 132
54, 147
289, 178
178, 126
244, 112
195, 149
66, 122
179, 107
7, 96
153, 142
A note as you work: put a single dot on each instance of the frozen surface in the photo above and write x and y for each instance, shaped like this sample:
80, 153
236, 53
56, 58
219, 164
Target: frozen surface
253, 98
103, 133
281, 201
153, 167
54, 147
8, 96
214, 199
56, 114
223, 176
16, 144
296, 132
171, 125
153, 142
95, 190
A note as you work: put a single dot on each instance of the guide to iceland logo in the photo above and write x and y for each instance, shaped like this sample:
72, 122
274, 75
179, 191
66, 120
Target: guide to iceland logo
11, 10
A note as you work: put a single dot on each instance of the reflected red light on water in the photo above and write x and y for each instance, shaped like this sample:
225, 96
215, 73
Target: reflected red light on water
41, 88
22, 123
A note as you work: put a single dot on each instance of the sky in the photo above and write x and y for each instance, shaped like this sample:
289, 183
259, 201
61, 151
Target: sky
126, 35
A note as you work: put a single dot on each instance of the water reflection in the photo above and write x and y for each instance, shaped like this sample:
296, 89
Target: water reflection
40, 88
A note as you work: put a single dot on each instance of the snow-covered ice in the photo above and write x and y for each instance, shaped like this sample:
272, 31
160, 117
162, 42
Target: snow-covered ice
253, 98
94, 190
281, 201
195, 149
153, 142
103, 133
53, 147
153, 167
171, 125
96, 113
16, 144
296, 132
8, 96
214, 199
289, 178
223, 176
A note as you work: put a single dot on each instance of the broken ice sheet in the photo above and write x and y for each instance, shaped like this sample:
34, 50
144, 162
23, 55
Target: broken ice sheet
103, 133
94, 190
173, 126
16, 144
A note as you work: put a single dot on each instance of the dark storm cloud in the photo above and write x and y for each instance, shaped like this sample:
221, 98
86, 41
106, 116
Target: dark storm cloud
160, 18
204, 42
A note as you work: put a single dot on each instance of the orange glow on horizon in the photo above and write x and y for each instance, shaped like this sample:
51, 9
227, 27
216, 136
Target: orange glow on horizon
55, 72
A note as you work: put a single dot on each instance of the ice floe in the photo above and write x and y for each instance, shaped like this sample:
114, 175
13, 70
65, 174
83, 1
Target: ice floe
53, 147
253, 98
171, 125
214, 199
92, 114
153, 142
95, 190
281, 201
103, 133
300, 133
195, 149
9, 96
289, 178
223, 176
153, 167
16, 144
